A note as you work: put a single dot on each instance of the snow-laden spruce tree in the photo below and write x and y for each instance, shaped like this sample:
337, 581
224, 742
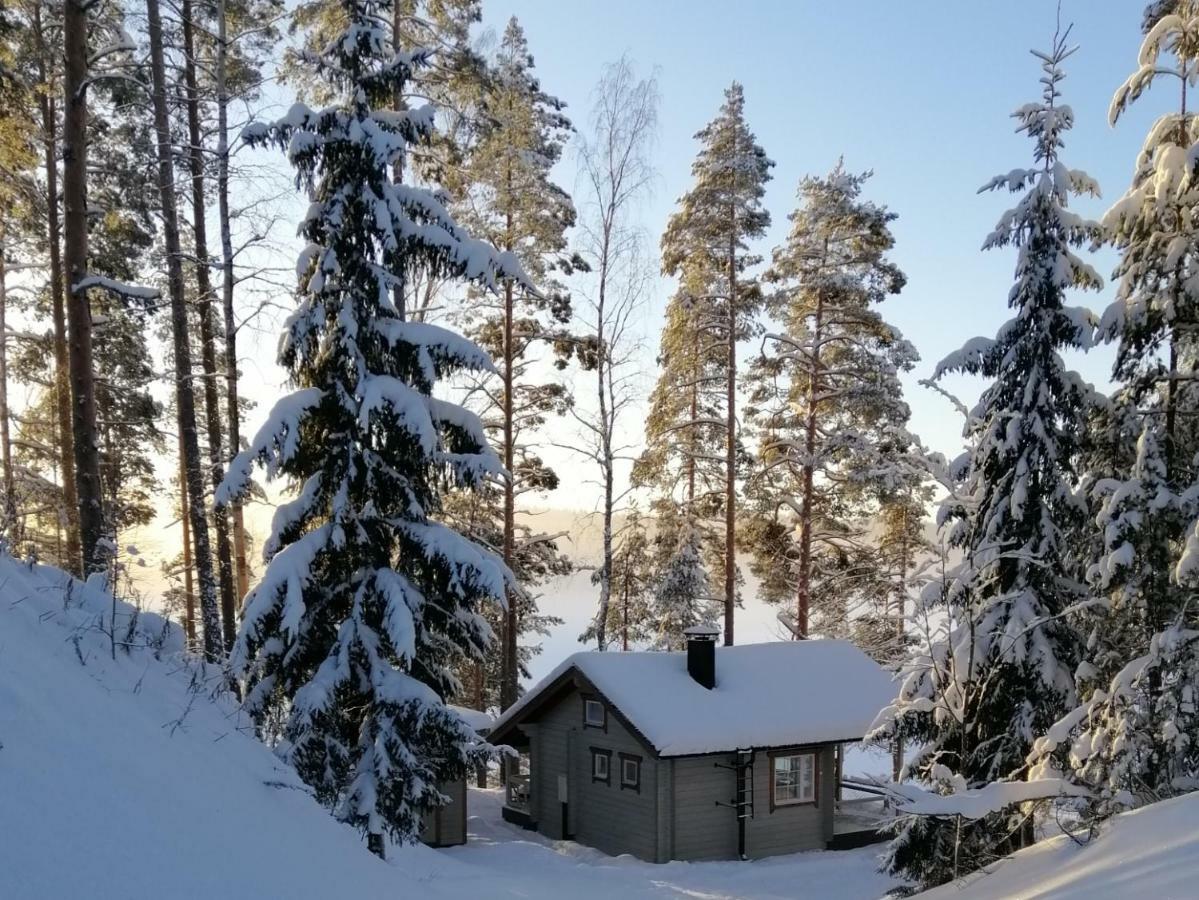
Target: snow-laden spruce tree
682, 593
1134, 738
1004, 672
366, 602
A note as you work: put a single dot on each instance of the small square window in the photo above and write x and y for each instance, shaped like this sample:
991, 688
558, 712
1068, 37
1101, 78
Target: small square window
601, 765
793, 779
630, 772
594, 714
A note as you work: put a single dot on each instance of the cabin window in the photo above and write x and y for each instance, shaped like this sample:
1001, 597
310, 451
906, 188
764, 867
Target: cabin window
630, 772
594, 714
601, 765
793, 779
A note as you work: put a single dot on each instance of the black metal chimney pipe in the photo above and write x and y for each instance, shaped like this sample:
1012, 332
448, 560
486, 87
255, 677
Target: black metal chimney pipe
701, 654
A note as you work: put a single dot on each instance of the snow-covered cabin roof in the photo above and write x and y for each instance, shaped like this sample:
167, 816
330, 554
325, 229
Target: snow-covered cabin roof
767, 695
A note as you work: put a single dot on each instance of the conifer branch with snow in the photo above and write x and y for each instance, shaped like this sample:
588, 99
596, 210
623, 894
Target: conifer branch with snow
367, 602
983, 692
1134, 734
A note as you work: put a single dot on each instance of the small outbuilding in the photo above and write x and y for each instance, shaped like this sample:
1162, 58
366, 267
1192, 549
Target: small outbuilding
711, 753
446, 825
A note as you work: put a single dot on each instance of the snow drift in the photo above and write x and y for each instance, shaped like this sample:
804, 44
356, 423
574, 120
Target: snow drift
1152, 852
133, 777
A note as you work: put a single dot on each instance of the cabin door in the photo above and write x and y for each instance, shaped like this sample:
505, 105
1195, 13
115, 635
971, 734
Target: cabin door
567, 786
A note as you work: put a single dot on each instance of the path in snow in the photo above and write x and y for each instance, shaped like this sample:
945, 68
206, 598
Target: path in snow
535, 866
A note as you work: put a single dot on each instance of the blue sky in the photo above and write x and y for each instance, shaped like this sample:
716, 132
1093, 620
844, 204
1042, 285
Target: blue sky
920, 92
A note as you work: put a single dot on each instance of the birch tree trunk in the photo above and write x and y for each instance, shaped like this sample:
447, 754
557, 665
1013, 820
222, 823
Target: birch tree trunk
605, 438
212, 405
79, 322
185, 399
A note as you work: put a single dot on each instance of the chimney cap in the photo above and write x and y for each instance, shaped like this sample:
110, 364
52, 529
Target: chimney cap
701, 632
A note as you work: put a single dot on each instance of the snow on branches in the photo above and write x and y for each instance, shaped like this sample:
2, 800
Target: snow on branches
368, 603
1133, 736
1003, 670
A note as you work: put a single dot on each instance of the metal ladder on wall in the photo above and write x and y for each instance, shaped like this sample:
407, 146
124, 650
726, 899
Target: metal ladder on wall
743, 799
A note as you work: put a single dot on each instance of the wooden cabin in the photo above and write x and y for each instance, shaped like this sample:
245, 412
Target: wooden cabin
446, 825
711, 753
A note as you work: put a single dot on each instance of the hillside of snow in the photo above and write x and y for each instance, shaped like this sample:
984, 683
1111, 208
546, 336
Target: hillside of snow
125, 778
1149, 854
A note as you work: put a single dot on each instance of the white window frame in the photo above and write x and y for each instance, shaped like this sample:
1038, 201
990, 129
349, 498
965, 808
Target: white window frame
805, 788
633, 783
589, 705
606, 757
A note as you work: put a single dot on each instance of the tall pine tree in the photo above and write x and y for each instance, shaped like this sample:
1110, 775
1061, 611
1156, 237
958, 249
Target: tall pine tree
1004, 673
706, 244
512, 201
367, 603
683, 460
830, 407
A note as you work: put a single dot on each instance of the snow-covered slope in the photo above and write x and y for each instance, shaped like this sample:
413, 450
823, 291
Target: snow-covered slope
122, 778
1149, 854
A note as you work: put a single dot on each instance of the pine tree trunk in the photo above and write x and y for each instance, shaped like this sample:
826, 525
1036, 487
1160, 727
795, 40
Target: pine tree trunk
189, 588
79, 321
901, 588
185, 399
508, 667
691, 432
803, 600
62, 384
900, 635
624, 637
232, 408
730, 461
9, 525
212, 405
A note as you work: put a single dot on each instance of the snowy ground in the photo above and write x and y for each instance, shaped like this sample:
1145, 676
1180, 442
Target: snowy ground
533, 866
1150, 854
127, 778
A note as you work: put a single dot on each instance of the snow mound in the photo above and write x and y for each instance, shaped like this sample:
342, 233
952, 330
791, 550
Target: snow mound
1151, 852
136, 777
